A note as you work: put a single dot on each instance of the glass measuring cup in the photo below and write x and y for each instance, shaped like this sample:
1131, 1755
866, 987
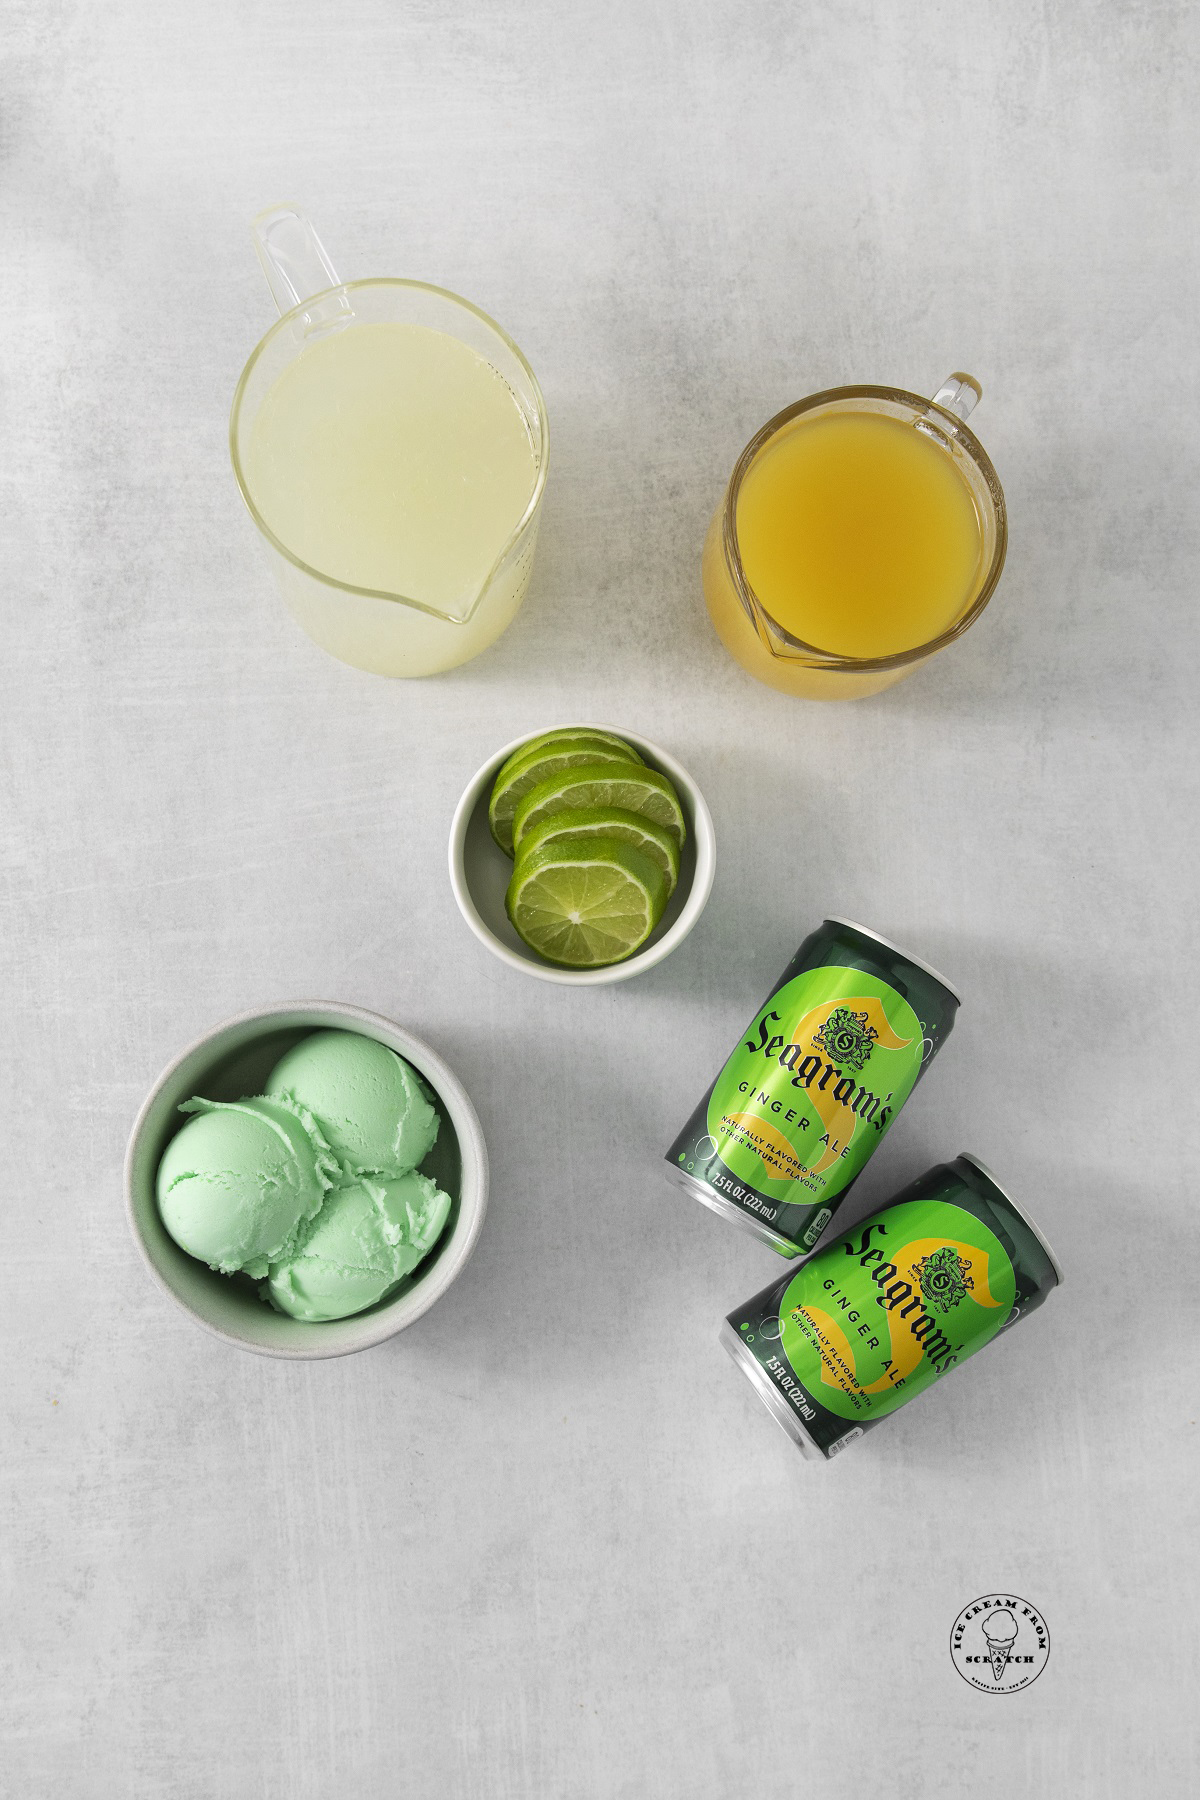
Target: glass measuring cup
376, 628
778, 657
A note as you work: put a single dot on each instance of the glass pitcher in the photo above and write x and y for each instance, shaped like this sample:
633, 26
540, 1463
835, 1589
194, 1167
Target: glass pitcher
745, 625
374, 628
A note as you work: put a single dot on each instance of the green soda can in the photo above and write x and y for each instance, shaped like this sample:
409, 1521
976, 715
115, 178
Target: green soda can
885, 1310
834, 1052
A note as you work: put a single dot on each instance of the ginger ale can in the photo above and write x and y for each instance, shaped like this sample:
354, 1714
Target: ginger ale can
891, 1305
824, 1067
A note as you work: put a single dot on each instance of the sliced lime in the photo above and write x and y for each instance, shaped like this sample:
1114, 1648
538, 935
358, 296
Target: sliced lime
586, 902
564, 735
610, 822
601, 784
538, 766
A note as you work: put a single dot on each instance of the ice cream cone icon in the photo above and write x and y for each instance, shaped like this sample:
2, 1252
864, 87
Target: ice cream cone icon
1000, 1633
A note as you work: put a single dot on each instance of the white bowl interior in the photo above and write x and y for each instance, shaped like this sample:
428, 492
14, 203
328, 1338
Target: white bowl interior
235, 1060
486, 871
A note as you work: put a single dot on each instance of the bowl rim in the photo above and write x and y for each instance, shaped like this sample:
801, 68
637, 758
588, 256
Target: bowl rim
704, 842
406, 1309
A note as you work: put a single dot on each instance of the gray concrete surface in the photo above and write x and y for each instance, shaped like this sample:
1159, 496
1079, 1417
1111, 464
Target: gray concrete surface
547, 1543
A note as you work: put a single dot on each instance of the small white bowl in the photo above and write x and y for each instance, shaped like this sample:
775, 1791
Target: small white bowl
235, 1059
480, 872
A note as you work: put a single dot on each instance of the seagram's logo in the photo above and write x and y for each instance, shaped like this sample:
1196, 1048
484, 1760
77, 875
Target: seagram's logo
847, 1038
944, 1277
852, 1066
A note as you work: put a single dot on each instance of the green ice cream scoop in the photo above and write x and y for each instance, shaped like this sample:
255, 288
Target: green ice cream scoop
367, 1100
239, 1180
367, 1237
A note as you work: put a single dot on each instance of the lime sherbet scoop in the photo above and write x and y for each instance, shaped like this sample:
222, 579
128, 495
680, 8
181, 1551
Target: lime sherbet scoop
369, 1103
367, 1237
239, 1180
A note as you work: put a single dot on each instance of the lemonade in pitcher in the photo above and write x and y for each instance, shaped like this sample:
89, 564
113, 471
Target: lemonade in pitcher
393, 457
390, 441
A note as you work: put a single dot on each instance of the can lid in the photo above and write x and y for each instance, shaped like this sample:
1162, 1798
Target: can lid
917, 961
965, 1156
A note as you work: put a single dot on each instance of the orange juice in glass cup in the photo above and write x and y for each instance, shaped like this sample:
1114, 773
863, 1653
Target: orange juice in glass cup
863, 530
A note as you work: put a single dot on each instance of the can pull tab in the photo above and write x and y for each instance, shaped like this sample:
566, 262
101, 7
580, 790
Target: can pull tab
959, 394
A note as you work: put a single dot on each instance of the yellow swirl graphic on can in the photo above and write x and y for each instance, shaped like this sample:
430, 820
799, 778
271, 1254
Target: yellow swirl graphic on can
838, 1117
814, 1021
906, 1319
809, 1091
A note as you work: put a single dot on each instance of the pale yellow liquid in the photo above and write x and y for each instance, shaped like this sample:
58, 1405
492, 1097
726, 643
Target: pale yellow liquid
393, 457
858, 535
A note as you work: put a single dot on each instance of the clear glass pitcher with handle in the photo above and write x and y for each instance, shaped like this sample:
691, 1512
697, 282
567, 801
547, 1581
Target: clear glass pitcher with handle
391, 444
786, 652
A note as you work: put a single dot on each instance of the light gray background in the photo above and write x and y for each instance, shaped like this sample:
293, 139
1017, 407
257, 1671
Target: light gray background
548, 1543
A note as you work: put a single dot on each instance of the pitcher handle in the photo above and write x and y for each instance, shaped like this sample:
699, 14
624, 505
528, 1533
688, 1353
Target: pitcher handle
959, 394
297, 266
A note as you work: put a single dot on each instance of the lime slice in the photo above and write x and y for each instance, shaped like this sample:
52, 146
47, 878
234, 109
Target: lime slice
602, 784
586, 902
610, 822
509, 789
564, 736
